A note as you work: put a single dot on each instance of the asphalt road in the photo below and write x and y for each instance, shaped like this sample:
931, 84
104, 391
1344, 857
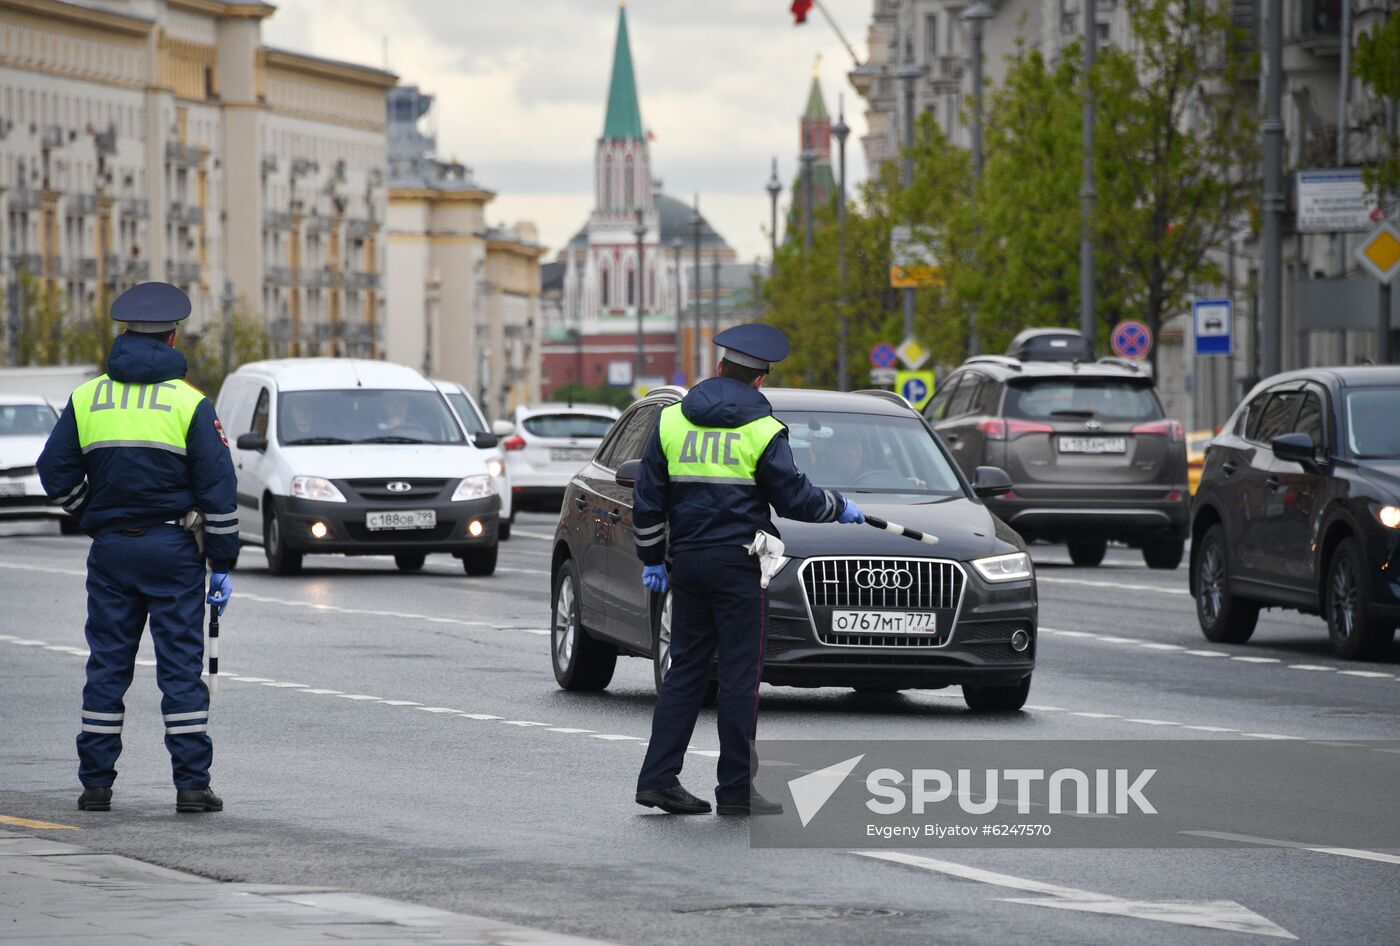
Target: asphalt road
402, 735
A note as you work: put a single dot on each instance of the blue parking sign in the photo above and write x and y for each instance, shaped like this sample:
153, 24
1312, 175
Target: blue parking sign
1212, 326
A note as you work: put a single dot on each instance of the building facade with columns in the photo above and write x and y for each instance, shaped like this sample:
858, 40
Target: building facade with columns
464, 295
162, 140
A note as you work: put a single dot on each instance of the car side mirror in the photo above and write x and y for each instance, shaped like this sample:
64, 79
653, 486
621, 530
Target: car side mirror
252, 441
1296, 448
502, 428
483, 440
990, 481
626, 474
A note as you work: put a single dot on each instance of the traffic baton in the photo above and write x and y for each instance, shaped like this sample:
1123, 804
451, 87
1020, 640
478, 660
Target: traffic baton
897, 529
213, 649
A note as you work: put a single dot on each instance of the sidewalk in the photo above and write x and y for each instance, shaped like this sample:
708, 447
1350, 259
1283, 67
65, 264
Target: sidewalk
57, 894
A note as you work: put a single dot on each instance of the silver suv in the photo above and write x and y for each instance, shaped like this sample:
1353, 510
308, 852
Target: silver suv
1090, 452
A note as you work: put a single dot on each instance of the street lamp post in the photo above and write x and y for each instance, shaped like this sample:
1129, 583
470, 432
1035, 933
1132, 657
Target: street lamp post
809, 158
909, 72
1272, 131
714, 297
639, 284
1088, 193
695, 224
775, 187
976, 15
677, 245
841, 131
228, 300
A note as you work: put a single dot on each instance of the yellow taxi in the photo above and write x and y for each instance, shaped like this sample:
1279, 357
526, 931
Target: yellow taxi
1196, 443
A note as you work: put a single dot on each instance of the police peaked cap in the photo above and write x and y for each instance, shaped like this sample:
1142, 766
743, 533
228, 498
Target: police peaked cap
753, 345
151, 307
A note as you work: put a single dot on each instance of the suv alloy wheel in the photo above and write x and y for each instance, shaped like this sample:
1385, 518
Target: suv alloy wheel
1224, 617
1354, 634
580, 662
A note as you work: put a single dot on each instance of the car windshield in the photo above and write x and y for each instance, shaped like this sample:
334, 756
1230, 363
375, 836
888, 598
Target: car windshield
468, 415
868, 453
569, 426
26, 420
1100, 398
361, 415
1372, 430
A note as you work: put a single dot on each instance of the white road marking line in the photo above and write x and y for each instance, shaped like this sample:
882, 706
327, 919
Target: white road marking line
23, 642
1315, 848
482, 716
1053, 630
318, 692
1045, 709
1309, 667
438, 709
1152, 722
521, 571
1368, 674
400, 703
614, 737
1152, 645
253, 679
1268, 735
1211, 914
569, 729
356, 696
1116, 586
521, 722
283, 685
1257, 660
1096, 715
1211, 728
707, 753
531, 535
143, 662
1206, 653
1118, 640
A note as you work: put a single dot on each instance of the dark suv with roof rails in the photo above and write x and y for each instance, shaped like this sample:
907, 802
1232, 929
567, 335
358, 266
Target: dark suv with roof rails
1091, 454
1299, 507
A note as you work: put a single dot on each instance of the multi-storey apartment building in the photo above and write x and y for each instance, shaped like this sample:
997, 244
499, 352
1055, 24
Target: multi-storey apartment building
164, 141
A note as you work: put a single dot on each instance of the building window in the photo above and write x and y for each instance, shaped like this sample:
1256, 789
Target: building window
631, 285
604, 286
629, 184
931, 33
607, 183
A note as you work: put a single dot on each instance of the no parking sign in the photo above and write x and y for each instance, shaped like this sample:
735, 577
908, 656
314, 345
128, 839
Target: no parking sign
1131, 339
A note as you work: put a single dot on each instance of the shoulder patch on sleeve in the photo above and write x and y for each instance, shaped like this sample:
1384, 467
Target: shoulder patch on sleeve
219, 429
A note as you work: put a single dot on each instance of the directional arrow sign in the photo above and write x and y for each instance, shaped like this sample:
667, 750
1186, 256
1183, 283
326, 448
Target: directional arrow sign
1211, 914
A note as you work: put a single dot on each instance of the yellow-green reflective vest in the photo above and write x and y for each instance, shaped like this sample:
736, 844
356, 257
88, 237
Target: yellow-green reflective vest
721, 455
117, 414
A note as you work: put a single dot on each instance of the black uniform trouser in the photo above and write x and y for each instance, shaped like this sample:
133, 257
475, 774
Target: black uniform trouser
157, 574
716, 604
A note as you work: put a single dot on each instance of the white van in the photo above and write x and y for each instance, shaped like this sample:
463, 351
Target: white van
469, 413
339, 455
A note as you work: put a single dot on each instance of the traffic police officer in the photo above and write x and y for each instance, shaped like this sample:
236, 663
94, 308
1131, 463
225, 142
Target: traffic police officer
715, 465
137, 455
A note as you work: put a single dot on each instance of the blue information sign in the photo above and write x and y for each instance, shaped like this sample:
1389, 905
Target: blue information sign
1212, 322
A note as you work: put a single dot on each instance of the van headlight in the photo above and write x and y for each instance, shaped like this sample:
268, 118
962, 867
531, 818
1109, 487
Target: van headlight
1013, 567
496, 467
317, 488
474, 487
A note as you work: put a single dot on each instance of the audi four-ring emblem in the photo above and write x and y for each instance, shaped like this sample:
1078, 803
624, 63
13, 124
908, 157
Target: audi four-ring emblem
884, 579
399, 486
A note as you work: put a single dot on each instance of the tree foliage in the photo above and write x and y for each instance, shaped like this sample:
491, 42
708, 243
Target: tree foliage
1377, 65
1174, 134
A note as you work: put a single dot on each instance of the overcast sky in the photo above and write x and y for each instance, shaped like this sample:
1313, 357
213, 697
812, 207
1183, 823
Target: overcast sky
521, 90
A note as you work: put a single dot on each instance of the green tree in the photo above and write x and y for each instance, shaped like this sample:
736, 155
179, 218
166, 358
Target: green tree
1175, 129
1377, 65
38, 338
205, 350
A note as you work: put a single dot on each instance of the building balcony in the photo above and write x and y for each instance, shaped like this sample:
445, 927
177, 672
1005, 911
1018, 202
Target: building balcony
317, 222
183, 214
362, 281
182, 272
317, 277
82, 204
82, 268
25, 199
181, 154
946, 69
136, 207
31, 263
358, 229
279, 276
138, 270
277, 220
1319, 28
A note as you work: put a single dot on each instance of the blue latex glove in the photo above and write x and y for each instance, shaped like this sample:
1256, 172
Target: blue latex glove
220, 590
654, 577
851, 514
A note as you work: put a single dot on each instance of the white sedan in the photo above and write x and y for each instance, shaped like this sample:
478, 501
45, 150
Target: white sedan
546, 445
25, 422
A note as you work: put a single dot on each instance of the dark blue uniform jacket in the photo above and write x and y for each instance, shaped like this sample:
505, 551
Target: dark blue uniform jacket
709, 514
130, 487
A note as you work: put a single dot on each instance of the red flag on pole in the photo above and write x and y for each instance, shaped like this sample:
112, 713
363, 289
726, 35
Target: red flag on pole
800, 9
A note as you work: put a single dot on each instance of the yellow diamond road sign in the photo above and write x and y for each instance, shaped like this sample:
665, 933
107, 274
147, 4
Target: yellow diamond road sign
1379, 253
912, 353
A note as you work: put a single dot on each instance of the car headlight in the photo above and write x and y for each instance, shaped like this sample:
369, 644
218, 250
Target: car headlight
317, 488
1388, 515
496, 467
1013, 567
474, 487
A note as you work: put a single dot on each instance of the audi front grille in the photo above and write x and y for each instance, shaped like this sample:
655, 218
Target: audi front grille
882, 584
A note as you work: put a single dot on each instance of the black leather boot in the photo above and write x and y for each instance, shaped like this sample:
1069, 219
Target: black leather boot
95, 799
756, 805
192, 801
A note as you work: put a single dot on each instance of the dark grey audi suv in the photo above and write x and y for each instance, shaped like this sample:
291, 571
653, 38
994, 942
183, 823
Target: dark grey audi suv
852, 607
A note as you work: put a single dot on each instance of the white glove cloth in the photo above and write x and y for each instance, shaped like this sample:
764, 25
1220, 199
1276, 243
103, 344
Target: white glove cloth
768, 549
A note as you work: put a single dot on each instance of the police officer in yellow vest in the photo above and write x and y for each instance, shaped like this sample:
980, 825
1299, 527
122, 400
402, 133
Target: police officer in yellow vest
716, 465
140, 458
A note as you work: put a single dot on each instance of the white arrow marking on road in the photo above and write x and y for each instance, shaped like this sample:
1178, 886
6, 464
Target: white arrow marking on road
813, 790
1315, 848
1211, 914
